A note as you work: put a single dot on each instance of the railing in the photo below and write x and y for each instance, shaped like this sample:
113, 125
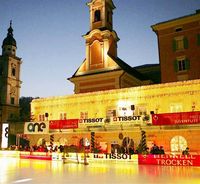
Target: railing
85, 158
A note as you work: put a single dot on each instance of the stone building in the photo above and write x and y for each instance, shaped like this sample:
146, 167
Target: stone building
10, 82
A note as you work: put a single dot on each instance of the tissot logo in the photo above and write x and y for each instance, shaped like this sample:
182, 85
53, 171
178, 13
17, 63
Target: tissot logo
39, 127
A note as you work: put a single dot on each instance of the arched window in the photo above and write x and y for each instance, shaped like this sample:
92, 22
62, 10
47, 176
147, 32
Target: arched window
13, 72
97, 15
178, 144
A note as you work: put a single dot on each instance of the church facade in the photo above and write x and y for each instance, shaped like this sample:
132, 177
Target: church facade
102, 69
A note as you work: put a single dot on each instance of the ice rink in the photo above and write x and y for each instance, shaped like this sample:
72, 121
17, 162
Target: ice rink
14, 170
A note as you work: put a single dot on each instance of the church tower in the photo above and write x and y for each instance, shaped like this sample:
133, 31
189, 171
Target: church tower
101, 13
10, 83
102, 69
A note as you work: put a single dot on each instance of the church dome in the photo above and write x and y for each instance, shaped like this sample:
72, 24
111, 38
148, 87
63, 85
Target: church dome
9, 40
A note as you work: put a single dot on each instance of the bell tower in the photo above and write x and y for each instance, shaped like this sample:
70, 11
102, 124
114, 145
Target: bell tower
101, 68
10, 82
101, 12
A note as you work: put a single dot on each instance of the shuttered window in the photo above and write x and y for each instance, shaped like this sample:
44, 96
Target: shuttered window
181, 64
180, 43
198, 39
185, 42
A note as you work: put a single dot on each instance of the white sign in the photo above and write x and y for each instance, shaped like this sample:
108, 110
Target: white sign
4, 143
36, 127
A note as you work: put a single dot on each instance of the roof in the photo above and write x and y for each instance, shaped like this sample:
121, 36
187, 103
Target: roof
178, 18
123, 66
9, 40
127, 68
151, 71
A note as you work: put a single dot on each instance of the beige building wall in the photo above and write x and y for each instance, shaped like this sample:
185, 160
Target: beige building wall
162, 98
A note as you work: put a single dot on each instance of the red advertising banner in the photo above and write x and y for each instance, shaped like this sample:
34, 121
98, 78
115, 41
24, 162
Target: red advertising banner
176, 118
63, 124
169, 160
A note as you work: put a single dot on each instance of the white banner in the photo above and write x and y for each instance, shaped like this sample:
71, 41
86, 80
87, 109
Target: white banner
36, 127
4, 143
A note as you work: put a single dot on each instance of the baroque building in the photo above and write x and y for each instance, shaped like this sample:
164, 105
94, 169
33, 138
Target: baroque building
102, 69
122, 111
10, 82
114, 103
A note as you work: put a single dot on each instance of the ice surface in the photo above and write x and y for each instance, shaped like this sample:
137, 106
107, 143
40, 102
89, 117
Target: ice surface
16, 171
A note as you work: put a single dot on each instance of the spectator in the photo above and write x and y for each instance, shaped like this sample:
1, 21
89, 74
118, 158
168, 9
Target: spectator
161, 151
186, 151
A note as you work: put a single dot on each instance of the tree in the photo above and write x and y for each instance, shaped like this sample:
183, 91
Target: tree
25, 108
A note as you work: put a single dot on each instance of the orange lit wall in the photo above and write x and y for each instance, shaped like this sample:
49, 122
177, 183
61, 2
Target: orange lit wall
161, 98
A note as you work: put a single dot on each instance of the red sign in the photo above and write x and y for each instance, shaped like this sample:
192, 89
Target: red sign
176, 118
170, 160
63, 124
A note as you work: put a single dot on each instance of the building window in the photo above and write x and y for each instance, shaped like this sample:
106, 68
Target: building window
97, 15
178, 144
111, 113
198, 39
63, 116
41, 117
83, 115
176, 107
141, 110
180, 43
12, 100
13, 72
13, 69
181, 64
178, 29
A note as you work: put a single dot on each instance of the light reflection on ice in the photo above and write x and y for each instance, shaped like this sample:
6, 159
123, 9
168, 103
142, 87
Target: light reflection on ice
56, 172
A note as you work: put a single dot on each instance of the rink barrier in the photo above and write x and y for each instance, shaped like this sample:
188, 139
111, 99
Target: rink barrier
169, 160
35, 155
8, 153
164, 160
92, 157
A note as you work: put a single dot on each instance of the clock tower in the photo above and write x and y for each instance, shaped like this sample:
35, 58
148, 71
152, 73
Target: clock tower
10, 83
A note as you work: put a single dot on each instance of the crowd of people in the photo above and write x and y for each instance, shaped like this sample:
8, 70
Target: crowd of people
43, 148
157, 150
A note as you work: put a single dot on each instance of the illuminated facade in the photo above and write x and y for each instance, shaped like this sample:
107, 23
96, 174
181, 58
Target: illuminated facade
123, 112
102, 69
113, 103
179, 48
10, 83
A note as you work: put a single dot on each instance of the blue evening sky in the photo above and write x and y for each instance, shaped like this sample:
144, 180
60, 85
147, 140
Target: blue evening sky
49, 36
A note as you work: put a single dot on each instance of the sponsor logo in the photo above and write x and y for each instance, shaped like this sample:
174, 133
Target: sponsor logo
33, 127
112, 156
